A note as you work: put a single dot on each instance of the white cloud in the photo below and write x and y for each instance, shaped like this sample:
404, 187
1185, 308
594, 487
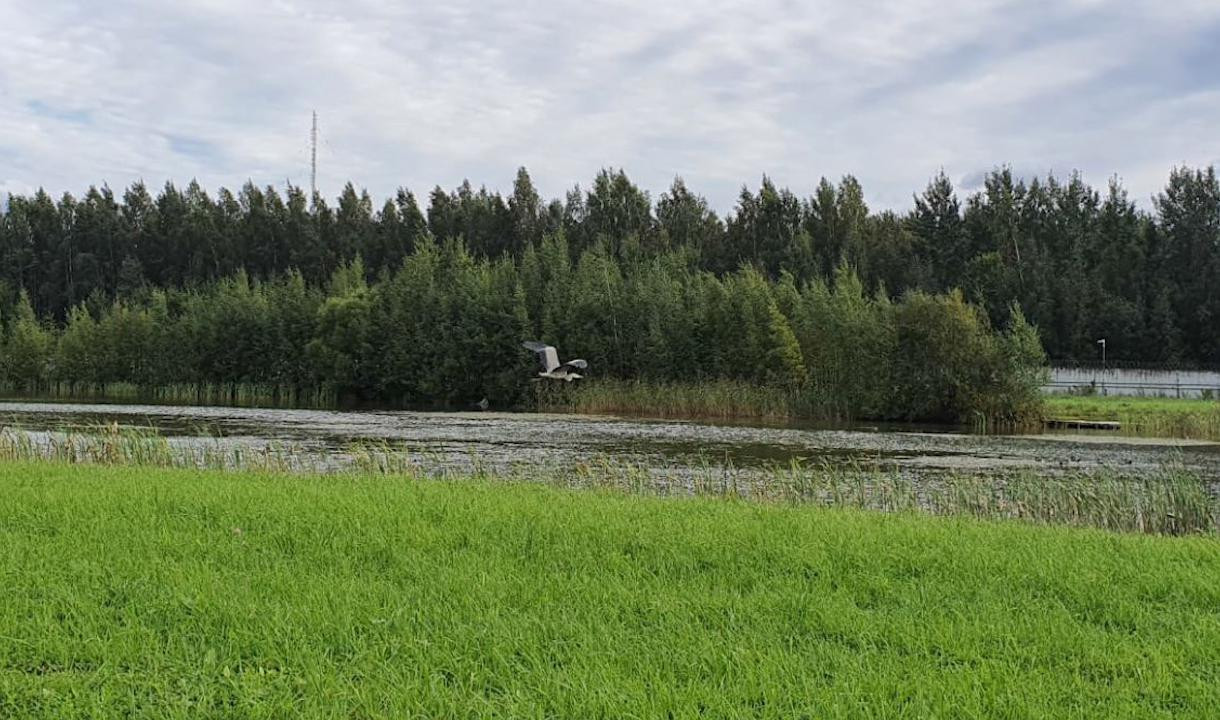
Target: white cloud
421, 94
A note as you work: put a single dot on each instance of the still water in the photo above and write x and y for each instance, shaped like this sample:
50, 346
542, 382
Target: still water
508, 439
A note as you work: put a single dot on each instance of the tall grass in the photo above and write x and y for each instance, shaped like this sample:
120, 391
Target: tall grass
139, 447
716, 399
1157, 417
229, 395
1170, 500
730, 400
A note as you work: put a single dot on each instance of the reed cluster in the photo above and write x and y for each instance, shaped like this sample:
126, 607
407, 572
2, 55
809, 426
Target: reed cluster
718, 399
223, 394
1170, 500
145, 447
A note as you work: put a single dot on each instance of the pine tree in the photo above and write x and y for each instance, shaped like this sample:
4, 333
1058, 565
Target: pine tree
940, 235
525, 210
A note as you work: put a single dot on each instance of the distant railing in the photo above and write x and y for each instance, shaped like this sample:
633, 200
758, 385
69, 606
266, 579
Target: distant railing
1141, 381
1165, 366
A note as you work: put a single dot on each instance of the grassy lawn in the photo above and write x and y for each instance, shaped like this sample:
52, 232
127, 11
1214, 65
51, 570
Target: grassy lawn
1167, 417
176, 593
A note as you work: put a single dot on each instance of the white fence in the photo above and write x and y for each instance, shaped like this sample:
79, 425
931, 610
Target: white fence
1151, 383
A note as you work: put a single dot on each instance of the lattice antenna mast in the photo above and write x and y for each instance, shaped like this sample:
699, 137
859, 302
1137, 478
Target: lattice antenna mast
313, 160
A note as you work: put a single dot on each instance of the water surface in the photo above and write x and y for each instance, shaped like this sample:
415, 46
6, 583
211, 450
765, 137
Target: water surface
512, 439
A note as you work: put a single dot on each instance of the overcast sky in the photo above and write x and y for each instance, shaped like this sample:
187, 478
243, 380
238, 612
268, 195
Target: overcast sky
415, 94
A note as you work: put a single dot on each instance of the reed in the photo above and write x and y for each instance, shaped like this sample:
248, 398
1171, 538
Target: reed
1172, 500
145, 447
228, 395
728, 400
713, 399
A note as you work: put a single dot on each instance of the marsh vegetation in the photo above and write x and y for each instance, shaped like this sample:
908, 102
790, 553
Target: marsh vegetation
1170, 499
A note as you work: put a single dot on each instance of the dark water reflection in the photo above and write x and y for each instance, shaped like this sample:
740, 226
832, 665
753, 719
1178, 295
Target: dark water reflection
515, 439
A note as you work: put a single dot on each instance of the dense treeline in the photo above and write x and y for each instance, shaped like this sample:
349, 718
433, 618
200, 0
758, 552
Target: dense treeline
854, 313
1082, 265
446, 327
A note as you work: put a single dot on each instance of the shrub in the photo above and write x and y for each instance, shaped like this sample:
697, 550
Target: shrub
950, 365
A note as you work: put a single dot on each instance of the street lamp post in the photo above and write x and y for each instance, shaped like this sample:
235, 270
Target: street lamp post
1102, 343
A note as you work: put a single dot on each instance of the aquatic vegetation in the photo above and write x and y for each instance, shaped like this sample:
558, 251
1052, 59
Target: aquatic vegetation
152, 592
227, 394
145, 447
714, 399
1169, 500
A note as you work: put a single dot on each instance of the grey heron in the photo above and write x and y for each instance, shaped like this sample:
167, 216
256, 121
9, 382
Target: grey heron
551, 367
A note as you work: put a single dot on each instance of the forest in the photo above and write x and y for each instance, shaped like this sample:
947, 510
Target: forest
427, 304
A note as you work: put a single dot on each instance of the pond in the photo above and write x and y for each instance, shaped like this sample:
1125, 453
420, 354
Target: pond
511, 439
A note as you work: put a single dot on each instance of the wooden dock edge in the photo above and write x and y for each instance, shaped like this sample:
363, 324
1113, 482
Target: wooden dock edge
1072, 424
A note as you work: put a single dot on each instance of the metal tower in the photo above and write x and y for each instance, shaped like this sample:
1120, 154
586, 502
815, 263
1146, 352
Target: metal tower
313, 160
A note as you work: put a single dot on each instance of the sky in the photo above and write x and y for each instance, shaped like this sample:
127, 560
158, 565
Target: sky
415, 94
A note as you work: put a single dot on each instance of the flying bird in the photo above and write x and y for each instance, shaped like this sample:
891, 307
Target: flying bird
551, 367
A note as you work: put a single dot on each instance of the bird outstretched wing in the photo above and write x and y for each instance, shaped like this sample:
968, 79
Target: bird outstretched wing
571, 365
546, 353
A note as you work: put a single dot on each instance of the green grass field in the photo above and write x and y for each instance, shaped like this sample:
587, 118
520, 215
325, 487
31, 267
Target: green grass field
166, 593
1162, 417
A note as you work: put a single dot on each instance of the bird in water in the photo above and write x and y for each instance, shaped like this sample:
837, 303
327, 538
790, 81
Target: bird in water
551, 367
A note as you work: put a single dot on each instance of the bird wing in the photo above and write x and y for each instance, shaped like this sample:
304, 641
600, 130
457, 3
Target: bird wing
546, 354
550, 359
575, 365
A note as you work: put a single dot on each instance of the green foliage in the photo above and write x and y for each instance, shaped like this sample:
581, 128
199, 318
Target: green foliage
784, 366
945, 357
76, 354
1020, 375
445, 330
28, 347
1081, 265
838, 304
125, 344
849, 344
342, 342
